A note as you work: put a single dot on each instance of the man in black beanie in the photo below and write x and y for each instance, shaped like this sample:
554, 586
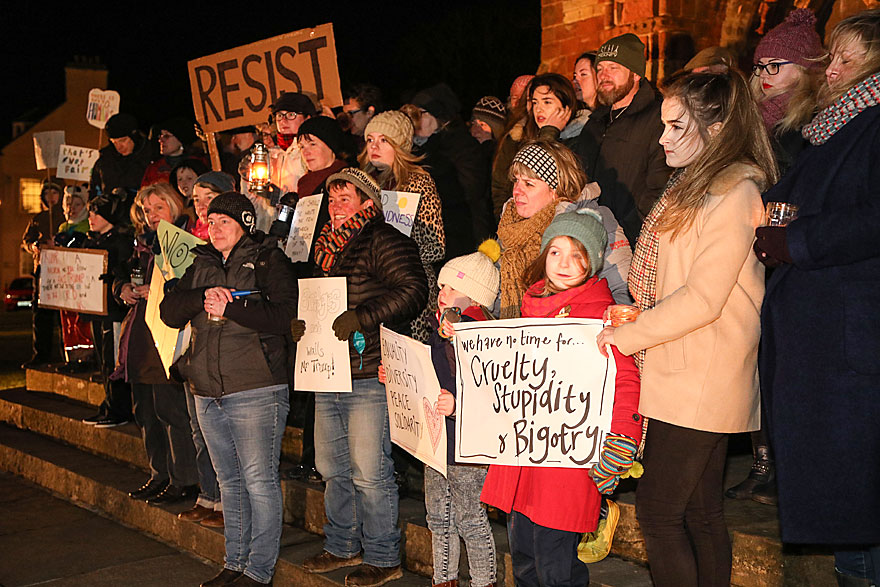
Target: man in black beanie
122, 163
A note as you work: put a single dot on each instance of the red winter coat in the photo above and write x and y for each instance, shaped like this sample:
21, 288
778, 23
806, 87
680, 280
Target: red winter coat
555, 497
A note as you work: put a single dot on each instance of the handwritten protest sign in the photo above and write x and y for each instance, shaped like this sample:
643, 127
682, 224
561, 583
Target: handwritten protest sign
302, 228
102, 105
70, 279
237, 87
400, 209
76, 162
176, 255
322, 362
411, 388
532, 392
46, 146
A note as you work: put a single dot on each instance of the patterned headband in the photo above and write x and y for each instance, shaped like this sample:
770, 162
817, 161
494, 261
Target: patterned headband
541, 162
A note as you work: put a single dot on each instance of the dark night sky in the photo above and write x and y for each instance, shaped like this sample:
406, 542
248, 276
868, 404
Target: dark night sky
477, 47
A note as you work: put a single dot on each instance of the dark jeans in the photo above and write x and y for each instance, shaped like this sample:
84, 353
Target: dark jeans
863, 562
117, 393
679, 507
160, 411
44, 323
544, 557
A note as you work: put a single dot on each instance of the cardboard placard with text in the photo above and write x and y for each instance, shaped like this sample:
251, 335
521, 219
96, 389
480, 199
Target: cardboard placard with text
76, 162
532, 392
411, 388
236, 87
70, 279
322, 361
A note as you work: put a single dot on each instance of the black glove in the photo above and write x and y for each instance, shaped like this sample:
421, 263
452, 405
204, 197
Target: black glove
169, 285
297, 329
345, 324
106, 278
771, 246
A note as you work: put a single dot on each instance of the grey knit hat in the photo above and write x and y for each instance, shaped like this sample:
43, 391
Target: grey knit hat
627, 50
362, 181
219, 181
475, 275
395, 125
236, 206
541, 162
585, 226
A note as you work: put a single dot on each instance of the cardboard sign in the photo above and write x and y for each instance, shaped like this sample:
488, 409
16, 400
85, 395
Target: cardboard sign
322, 362
237, 87
411, 388
176, 255
76, 162
400, 209
532, 392
46, 146
70, 279
102, 105
302, 229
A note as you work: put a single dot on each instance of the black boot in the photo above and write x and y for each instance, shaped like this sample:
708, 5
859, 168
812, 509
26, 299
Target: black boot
761, 473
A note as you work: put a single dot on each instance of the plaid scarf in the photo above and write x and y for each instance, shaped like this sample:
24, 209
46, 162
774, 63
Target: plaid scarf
331, 242
833, 118
642, 278
520, 245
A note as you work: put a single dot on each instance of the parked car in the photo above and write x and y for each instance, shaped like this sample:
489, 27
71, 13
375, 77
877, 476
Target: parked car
19, 294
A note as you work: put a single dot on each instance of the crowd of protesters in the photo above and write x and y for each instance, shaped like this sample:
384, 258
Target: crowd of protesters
599, 189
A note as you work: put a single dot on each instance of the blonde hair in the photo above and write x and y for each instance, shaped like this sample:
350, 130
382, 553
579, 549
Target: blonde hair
390, 178
709, 98
801, 105
863, 28
165, 192
571, 177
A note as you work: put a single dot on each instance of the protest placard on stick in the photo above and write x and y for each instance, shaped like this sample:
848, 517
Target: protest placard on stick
400, 209
46, 147
236, 87
70, 279
532, 392
76, 162
102, 105
322, 361
412, 388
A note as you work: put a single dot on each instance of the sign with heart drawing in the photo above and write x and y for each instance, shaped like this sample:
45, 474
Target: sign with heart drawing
102, 105
412, 389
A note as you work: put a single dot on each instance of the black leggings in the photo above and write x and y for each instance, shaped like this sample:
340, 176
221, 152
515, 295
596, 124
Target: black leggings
680, 509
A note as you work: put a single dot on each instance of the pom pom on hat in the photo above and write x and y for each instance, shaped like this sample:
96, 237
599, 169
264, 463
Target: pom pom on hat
795, 39
491, 249
475, 275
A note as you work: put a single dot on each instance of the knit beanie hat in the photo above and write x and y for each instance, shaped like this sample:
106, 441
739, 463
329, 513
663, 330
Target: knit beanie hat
475, 275
585, 226
182, 129
218, 181
440, 101
326, 130
491, 110
541, 162
395, 125
294, 102
105, 207
120, 125
236, 206
795, 40
362, 181
627, 50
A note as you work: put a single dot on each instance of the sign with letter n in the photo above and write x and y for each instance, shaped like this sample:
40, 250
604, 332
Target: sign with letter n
236, 87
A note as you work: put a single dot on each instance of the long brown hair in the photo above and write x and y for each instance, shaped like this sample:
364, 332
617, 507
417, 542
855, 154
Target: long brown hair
537, 269
391, 178
560, 86
709, 98
863, 28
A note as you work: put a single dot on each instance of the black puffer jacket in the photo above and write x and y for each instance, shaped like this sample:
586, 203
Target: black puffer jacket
119, 247
624, 156
386, 285
250, 349
112, 170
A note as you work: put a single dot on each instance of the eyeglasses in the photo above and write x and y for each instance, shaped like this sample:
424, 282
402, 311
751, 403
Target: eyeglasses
353, 112
770, 68
164, 136
283, 115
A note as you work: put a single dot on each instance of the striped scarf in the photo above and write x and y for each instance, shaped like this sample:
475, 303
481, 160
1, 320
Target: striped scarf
331, 242
833, 118
642, 279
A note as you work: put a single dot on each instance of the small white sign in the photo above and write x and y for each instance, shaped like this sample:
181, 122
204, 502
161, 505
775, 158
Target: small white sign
46, 146
102, 105
76, 162
400, 209
302, 228
322, 360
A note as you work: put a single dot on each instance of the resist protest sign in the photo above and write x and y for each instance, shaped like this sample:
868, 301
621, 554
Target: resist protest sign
322, 362
70, 279
532, 392
400, 209
411, 388
236, 87
76, 162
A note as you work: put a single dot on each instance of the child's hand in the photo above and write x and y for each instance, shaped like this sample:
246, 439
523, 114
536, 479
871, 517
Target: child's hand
445, 403
382, 377
447, 329
605, 338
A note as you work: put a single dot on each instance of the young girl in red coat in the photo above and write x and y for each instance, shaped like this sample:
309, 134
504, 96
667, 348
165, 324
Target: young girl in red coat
550, 508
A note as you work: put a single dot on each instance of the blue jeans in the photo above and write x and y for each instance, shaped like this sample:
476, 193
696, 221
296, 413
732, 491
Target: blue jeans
353, 455
209, 494
243, 431
859, 562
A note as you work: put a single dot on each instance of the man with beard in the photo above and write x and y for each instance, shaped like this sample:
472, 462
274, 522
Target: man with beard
619, 145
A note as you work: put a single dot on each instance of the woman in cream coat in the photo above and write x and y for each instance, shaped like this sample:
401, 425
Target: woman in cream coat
700, 292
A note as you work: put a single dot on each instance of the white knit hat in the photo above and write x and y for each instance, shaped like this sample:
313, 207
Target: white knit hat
475, 275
